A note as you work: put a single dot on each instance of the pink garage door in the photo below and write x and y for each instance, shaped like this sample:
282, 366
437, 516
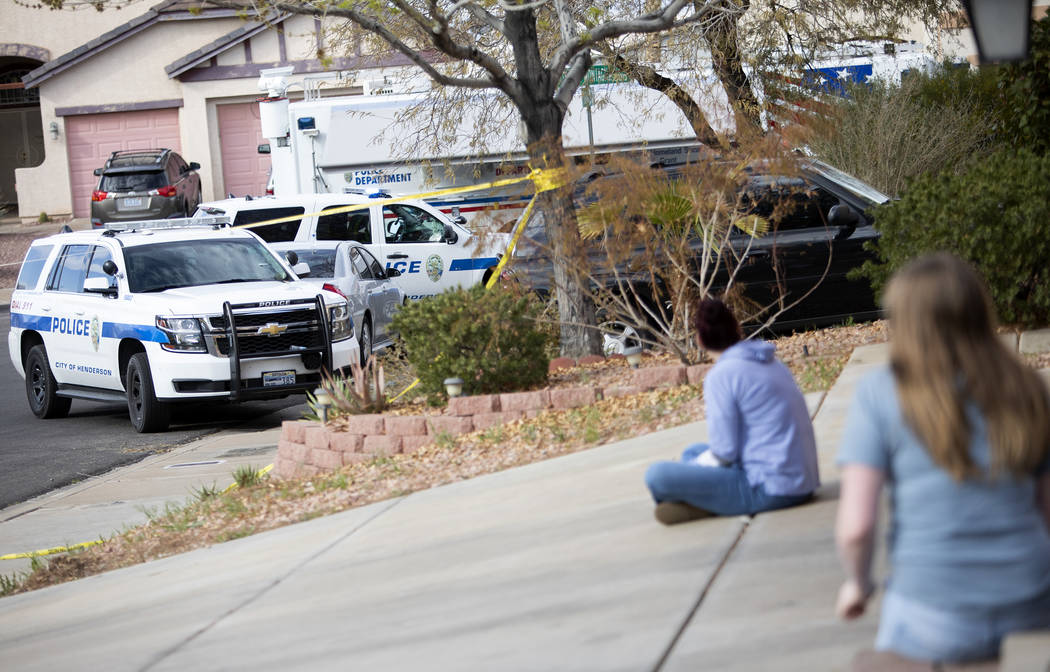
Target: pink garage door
91, 138
244, 169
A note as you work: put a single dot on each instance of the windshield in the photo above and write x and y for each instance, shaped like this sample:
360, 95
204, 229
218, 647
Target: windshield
160, 266
144, 181
865, 191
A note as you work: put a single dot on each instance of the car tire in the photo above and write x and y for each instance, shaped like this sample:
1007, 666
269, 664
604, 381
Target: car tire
616, 336
364, 340
42, 388
146, 412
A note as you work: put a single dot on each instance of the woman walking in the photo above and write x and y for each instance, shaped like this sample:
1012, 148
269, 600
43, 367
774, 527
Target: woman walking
958, 430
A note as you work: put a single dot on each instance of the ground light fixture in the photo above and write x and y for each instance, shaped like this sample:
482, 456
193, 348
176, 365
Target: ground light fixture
1001, 28
324, 402
633, 355
454, 386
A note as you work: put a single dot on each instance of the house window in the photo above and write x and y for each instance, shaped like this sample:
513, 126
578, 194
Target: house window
14, 92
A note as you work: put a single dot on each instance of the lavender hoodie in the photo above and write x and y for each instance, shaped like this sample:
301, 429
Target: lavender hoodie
757, 417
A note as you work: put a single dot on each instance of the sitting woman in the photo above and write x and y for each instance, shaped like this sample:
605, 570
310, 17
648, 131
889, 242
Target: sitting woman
761, 453
958, 429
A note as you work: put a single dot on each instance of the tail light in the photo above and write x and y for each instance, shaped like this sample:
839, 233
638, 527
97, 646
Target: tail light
269, 191
99, 195
165, 191
332, 288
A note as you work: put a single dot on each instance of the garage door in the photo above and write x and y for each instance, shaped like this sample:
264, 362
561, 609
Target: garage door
244, 170
91, 138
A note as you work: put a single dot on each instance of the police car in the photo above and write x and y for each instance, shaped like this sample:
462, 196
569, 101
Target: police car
431, 252
158, 312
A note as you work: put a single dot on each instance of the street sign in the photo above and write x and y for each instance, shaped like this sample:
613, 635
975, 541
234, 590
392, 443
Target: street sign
604, 74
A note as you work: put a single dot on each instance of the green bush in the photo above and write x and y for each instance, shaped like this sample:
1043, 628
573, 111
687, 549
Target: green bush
1025, 88
995, 215
489, 338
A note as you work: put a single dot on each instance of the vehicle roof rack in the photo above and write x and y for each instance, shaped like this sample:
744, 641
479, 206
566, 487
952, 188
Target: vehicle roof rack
160, 224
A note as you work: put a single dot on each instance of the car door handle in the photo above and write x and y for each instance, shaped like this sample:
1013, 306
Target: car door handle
46, 309
78, 312
757, 255
397, 256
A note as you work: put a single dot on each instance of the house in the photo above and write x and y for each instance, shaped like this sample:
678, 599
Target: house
177, 74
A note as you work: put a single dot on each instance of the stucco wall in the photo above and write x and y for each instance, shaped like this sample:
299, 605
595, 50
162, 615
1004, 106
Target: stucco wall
63, 30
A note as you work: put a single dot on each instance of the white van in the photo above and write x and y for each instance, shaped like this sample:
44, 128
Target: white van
431, 252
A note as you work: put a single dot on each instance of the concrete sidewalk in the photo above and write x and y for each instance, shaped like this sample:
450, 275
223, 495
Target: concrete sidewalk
554, 565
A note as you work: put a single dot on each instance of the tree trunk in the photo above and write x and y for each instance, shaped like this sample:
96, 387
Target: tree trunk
725, 56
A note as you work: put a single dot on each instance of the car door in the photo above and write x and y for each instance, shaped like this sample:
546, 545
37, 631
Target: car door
78, 353
384, 298
413, 242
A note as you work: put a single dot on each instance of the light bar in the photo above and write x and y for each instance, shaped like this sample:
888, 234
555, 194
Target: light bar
181, 223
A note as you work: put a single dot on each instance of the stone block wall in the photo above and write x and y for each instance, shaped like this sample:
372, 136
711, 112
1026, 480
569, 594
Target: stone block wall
306, 448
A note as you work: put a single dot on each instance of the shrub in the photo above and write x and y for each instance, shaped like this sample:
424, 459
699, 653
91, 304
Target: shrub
888, 134
1025, 89
489, 338
993, 215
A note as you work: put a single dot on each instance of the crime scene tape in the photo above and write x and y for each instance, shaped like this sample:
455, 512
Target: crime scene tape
544, 179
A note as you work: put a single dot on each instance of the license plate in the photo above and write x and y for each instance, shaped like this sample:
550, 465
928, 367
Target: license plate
132, 202
275, 378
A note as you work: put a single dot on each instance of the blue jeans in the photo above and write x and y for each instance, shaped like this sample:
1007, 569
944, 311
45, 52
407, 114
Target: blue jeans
723, 491
921, 632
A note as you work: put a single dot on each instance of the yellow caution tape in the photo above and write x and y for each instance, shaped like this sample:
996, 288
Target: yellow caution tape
544, 180
49, 551
262, 472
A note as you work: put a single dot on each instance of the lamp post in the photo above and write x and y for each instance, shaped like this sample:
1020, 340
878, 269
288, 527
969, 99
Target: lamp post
1001, 28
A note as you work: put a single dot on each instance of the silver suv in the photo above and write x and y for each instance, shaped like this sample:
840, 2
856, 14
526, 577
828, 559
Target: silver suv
141, 184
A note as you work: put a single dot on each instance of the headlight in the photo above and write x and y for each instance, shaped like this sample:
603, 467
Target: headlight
342, 324
184, 334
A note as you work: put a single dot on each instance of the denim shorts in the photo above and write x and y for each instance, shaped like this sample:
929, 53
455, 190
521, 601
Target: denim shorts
921, 632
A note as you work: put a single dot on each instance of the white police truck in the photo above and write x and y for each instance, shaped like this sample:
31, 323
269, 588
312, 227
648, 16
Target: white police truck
430, 252
158, 312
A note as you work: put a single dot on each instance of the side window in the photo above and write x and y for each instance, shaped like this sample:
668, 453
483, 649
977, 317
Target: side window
100, 256
409, 224
354, 225
33, 266
791, 204
360, 264
375, 268
71, 269
279, 232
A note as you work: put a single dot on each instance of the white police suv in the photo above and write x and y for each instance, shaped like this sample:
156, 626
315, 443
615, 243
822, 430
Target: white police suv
168, 311
431, 252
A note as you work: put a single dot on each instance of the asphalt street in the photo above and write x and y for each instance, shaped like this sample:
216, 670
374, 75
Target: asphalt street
37, 456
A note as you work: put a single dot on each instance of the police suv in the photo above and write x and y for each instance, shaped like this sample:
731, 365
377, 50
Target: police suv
430, 252
169, 311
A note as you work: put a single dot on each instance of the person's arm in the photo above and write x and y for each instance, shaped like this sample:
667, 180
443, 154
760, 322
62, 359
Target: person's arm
723, 419
1042, 497
855, 535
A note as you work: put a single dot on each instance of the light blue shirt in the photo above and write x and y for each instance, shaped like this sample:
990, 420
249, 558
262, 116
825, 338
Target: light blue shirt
975, 544
757, 417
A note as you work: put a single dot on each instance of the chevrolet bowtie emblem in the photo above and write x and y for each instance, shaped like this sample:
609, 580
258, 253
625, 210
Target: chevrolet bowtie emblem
272, 329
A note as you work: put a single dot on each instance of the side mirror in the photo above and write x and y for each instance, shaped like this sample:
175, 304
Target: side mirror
843, 215
460, 219
263, 148
99, 286
292, 256
109, 267
451, 237
393, 272
301, 269
194, 165
97, 171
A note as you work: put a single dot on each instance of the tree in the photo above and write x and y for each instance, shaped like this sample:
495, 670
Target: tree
535, 54
773, 41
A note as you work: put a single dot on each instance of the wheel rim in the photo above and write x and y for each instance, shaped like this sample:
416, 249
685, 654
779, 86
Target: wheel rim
135, 385
38, 383
366, 342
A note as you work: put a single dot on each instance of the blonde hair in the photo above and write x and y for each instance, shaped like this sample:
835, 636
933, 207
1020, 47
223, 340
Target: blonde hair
945, 353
